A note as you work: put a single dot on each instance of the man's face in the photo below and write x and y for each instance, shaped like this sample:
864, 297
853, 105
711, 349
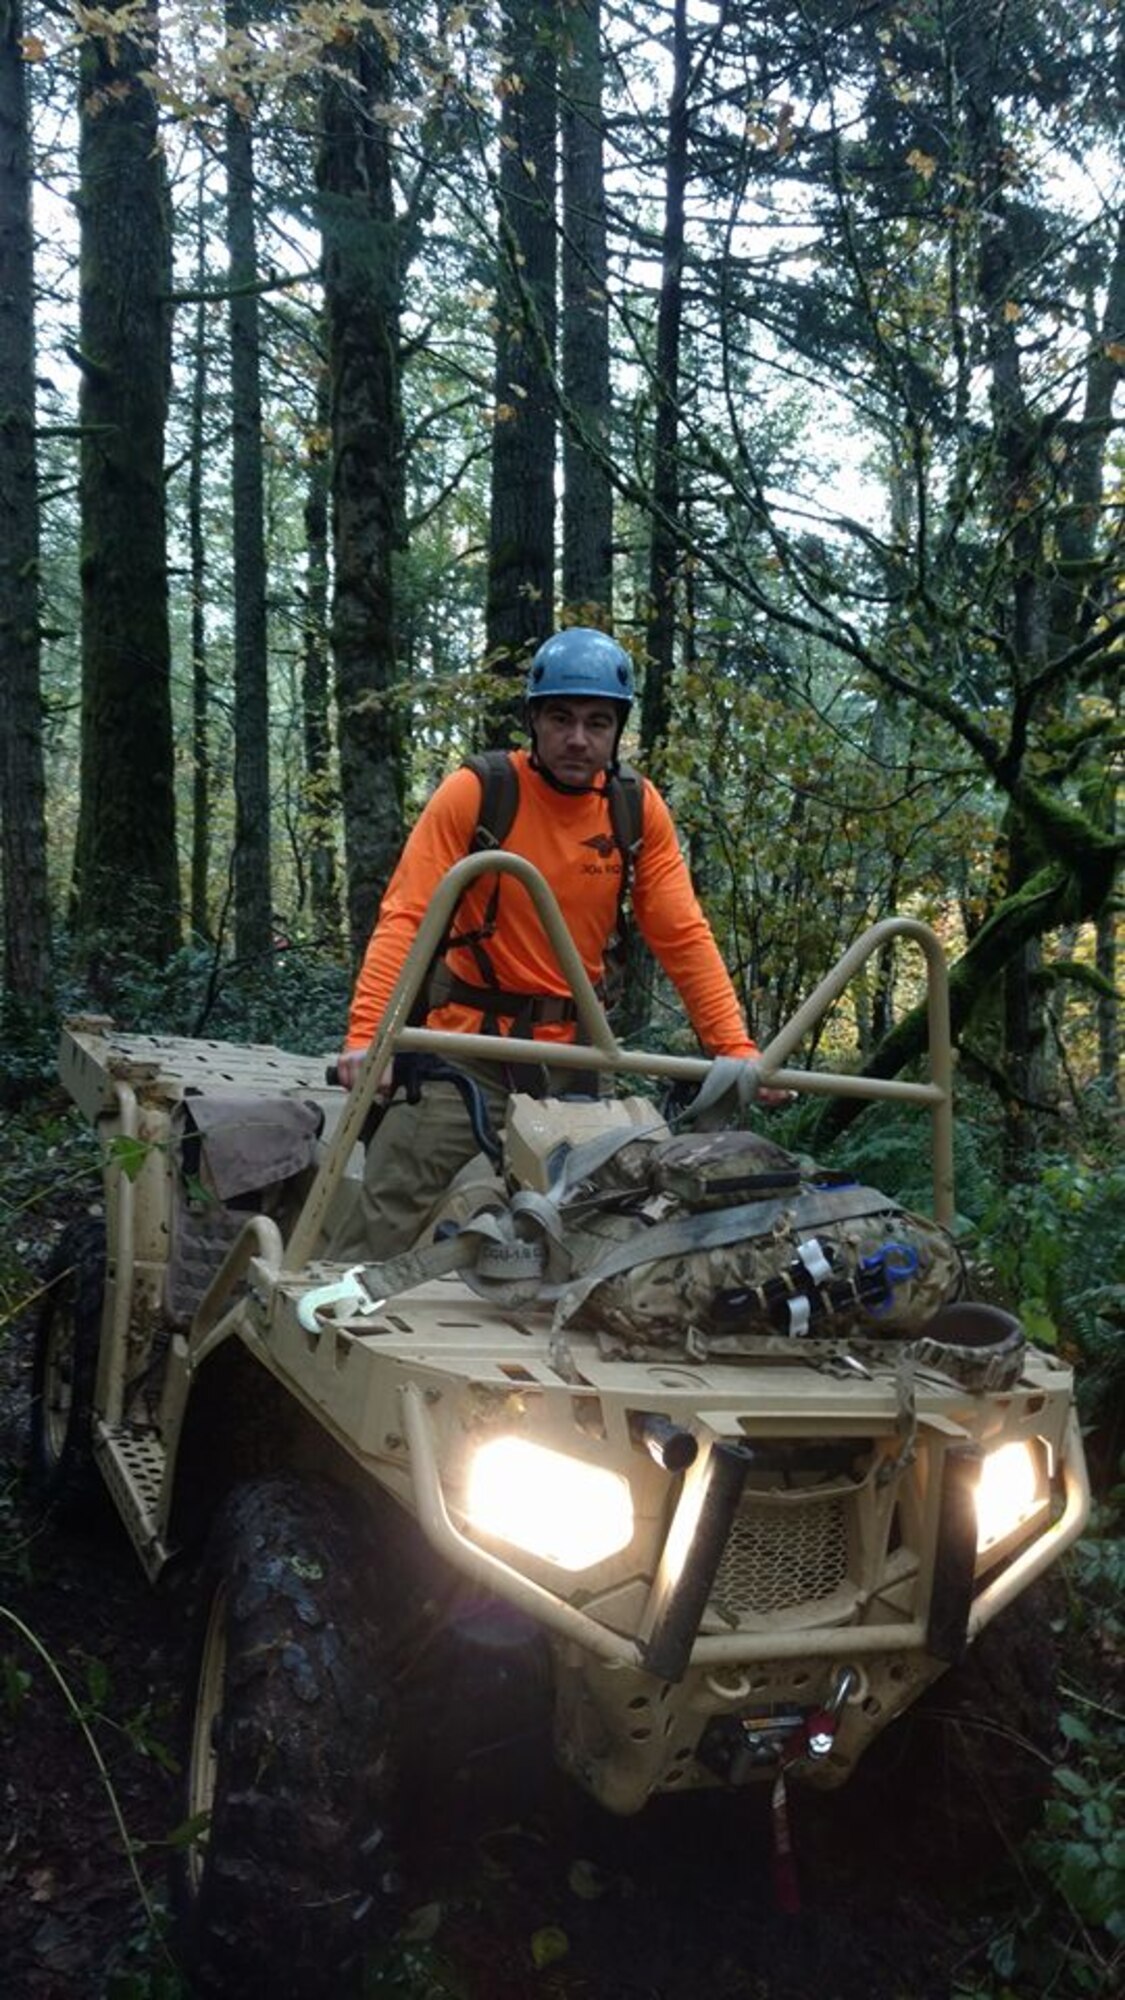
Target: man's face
575, 738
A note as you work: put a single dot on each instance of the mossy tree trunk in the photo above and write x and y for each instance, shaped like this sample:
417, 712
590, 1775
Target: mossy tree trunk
664, 544
200, 863
587, 564
362, 289
126, 881
1071, 887
319, 800
665, 549
23, 844
253, 899
520, 608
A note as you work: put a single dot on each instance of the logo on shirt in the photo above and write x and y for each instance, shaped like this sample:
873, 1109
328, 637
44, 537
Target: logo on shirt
603, 845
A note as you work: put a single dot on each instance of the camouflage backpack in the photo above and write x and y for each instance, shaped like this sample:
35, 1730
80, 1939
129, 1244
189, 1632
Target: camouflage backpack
704, 1244
711, 1241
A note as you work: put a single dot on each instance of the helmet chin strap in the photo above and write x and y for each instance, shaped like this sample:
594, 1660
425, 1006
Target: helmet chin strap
556, 784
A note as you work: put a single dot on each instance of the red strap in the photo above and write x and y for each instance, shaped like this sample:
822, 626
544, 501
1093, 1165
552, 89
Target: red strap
786, 1892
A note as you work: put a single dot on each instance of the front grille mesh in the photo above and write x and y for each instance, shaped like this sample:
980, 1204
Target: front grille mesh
781, 1556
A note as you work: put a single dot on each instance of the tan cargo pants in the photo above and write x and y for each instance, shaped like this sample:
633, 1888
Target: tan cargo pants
411, 1160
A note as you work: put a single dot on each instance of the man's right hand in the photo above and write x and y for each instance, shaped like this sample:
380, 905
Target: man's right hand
349, 1062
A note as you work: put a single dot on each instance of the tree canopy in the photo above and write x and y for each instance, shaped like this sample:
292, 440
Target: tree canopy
789, 342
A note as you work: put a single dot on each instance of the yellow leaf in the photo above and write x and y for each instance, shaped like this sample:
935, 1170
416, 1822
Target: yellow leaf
1011, 310
548, 1946
923, 164
33, 49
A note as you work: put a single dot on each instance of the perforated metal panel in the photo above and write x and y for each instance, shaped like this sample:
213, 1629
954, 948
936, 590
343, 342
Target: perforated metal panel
141, 1460
781, 1556
166, 1066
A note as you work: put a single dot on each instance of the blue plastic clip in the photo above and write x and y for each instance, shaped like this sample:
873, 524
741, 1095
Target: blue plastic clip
894, 1263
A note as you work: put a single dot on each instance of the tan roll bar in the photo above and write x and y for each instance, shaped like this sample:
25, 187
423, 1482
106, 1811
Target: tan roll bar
601, 1052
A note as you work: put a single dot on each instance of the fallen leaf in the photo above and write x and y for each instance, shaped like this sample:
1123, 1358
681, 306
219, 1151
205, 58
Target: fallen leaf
41, 1885
548, 1946
588, 1880
422, 1924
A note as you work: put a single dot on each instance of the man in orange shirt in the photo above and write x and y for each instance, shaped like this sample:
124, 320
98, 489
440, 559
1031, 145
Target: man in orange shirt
579, 692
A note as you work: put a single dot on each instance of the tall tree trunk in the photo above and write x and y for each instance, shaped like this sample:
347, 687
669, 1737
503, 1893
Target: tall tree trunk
319, 798
656, 698
587, 572
1089, 565
362, 289
127, 892
656, 707
200, 918
253, 901
23, 836
520, 608
1014, 427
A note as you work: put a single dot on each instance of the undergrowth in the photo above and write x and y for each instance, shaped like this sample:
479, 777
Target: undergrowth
1066, 1937
298, 998
1052, 1248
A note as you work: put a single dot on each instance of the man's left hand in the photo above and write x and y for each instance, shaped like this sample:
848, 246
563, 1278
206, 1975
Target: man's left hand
770, 1098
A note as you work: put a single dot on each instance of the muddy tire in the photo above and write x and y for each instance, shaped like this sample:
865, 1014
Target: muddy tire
64, 1371
287, 1755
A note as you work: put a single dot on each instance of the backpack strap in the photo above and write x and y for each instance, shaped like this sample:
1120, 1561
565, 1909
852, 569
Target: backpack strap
500, 797
625, 794
499, 801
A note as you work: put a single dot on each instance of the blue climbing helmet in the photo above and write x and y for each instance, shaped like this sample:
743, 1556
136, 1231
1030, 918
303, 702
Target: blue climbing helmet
584, 663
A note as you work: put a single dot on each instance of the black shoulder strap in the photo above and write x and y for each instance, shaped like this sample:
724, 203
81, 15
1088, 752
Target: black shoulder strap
499, 800
626, 796
625, 793
500, 794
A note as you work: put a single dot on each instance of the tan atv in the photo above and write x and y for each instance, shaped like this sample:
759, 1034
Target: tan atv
745, 1540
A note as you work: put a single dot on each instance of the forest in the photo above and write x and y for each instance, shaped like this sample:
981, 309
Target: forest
347, 351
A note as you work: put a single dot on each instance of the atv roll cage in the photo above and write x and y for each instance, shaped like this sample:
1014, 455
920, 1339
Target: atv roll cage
598, 1050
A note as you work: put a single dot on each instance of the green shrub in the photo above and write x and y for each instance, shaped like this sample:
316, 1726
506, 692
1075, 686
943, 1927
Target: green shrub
889, 1147
1057, 1245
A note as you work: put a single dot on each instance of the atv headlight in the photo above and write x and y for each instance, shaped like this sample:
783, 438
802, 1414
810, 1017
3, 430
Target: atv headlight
1008, 1493
556, 1507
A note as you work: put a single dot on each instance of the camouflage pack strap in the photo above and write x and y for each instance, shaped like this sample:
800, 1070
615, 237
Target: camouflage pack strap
572, 1165
979, 1345
725, 1095
509, 1255
625, 795
483, 1242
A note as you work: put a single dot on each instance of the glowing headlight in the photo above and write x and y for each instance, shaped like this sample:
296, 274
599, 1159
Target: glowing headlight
1008, 1492
560, 1508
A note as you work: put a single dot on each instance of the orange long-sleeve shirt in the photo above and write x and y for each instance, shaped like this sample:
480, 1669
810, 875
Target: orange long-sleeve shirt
569, 838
